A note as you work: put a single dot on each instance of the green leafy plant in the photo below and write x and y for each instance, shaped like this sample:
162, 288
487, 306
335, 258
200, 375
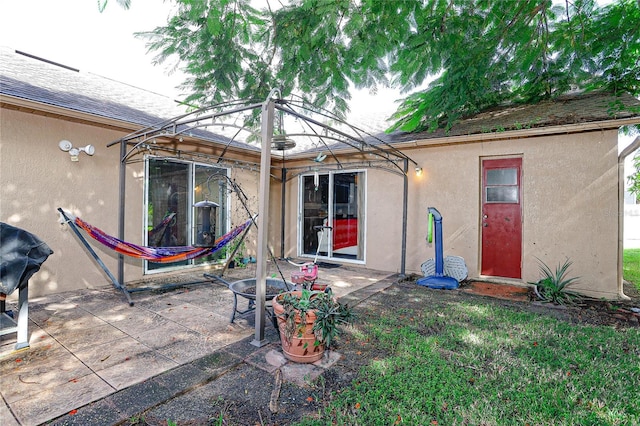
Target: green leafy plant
239, 256
323, 49
552, 287
230, 249
631, 267
330, 314
634, 179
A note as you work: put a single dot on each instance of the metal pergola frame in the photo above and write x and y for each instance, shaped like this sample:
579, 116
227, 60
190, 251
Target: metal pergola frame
385, 157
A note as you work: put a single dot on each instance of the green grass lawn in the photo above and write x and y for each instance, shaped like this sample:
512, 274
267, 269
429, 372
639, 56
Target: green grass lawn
631, 266
474, 362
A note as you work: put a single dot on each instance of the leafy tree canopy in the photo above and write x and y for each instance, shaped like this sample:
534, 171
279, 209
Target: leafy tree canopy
102, 4
474, 53
634, 179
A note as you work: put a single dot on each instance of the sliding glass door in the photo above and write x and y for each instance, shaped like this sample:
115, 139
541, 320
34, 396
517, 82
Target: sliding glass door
332, 215
172, 187
211, 184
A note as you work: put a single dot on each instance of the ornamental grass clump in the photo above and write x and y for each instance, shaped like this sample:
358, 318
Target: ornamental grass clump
552, 287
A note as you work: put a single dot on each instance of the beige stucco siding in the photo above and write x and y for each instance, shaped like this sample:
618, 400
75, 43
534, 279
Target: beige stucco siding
383, 220
569, 204
571, 199
247, 180
36, 178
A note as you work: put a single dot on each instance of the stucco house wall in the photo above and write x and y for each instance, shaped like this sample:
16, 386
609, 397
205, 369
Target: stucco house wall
37, 177
569, 206
570, 181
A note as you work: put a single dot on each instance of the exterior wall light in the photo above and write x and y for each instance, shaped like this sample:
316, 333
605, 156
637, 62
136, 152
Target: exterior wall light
67, 146
418, 171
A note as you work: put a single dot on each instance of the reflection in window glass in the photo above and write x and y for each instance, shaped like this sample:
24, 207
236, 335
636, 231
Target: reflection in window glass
502, 194
172, 188
167, 206
211, 184
502, 177
335, 200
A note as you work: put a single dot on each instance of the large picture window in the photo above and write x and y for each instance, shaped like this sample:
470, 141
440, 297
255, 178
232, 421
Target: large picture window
332, 215
172, 187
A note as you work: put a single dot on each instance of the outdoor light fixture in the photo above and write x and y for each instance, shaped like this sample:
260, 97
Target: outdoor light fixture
320, 158
418, 171
67, 146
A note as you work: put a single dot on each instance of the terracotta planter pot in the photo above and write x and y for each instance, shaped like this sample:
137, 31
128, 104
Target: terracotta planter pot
301, 348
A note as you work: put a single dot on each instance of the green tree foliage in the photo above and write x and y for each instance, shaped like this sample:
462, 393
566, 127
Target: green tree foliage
634, 179
474, 53
102, 4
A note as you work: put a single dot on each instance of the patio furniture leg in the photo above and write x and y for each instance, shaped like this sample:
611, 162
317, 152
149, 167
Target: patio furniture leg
235, 307
20, 326
23, 318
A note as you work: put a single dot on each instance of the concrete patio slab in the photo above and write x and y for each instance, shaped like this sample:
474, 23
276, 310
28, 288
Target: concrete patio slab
93, 359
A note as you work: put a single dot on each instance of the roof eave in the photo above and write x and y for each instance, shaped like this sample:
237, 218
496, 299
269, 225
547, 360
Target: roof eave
522, 133
61, 112
67, 113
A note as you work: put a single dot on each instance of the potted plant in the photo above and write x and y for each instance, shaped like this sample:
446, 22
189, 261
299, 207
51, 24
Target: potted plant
308, 322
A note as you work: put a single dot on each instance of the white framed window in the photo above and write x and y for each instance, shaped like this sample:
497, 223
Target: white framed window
171, 189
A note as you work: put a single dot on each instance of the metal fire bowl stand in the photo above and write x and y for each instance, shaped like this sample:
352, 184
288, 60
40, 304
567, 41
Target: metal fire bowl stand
239, 288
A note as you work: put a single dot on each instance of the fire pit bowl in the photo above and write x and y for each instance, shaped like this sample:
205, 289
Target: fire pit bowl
247, 288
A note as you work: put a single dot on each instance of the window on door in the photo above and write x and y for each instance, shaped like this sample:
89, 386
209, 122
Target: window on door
332, 215
172, 187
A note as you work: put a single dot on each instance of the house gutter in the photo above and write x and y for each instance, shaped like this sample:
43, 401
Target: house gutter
621, 158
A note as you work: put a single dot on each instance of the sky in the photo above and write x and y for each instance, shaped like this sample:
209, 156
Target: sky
76, 34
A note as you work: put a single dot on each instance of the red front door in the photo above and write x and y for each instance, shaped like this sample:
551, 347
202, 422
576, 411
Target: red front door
501, 219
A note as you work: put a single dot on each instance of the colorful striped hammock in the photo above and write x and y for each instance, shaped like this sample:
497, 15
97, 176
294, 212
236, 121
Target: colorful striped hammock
158, 254
155, 235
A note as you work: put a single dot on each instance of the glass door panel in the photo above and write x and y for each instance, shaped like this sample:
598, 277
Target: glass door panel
345, 216
211, 184
335, 200
315, 206
168, 206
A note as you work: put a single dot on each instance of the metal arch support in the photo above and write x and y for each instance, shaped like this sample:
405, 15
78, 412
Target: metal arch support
354, 137
267, 114
379, 164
